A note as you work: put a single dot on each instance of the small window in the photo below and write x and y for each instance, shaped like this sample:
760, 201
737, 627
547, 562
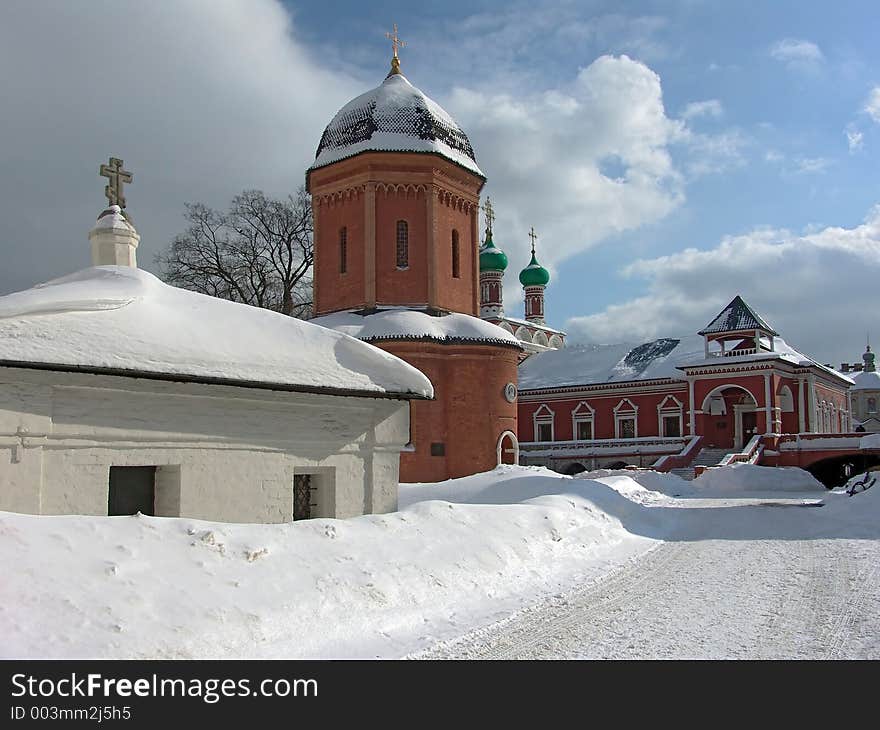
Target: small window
627, 428
343, 250
545, 432
303, 497
671, 426
584, 430
402, 244
438, 449
872, 405
456, 263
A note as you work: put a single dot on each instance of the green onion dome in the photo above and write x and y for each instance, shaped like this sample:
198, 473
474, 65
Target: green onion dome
491, 258
534, 274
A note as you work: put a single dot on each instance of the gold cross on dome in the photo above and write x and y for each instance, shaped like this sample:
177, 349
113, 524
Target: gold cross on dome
396, 43
490, 214
117, 176
533, 236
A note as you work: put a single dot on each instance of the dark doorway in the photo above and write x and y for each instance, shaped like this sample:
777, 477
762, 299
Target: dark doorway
302, 496
749, 426
132, 490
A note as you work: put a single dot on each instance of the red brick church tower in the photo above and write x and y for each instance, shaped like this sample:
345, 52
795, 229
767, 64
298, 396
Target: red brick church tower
395, 193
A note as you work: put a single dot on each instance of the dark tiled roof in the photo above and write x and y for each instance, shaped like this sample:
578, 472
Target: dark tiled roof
737, 316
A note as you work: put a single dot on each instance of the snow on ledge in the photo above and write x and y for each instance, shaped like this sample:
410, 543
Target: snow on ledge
399, 323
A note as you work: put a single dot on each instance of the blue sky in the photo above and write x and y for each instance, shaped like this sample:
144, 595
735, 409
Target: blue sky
670, 155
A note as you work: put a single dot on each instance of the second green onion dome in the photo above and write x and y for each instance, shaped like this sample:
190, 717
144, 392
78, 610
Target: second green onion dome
534, 274
491, 258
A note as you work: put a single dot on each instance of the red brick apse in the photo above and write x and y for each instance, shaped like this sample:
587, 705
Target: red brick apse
395, 195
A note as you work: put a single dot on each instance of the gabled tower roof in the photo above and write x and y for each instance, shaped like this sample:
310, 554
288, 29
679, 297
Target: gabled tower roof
735, 317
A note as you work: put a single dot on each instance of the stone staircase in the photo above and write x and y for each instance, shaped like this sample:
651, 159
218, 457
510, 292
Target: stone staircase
706, 457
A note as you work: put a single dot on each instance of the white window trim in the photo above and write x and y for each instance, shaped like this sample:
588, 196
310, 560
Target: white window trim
583, 413
666, 409
622, 413
544, 414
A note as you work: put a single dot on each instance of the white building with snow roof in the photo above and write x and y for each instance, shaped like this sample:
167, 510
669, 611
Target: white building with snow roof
119, 394
865, 392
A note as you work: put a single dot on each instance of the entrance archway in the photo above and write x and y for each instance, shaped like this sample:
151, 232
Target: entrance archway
508, 454
729, 416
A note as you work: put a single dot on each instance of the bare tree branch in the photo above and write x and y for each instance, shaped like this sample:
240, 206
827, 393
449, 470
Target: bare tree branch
258, 253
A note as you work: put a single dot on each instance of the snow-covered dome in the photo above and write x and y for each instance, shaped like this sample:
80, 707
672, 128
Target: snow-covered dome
394, 117
123, 321
867, 380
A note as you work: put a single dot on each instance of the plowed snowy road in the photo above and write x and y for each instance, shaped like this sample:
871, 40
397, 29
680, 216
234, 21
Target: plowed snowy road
706, 598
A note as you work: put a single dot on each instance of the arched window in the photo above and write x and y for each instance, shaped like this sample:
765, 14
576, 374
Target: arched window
402, 244
456, 264
343, 250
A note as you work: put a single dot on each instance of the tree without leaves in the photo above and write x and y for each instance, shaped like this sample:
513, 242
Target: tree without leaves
259, 252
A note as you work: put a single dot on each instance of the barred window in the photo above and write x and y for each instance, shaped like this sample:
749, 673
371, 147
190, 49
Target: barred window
343, 250
456, 263
402, 244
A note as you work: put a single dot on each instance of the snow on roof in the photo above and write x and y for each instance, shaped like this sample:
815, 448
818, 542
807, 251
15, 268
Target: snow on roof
400, 323
533, 325
737, 316
123, 319
866, 381
394, 117
663, 358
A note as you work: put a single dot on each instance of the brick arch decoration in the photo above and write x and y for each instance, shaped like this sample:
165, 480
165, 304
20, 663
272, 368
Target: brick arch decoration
406, 190
339, 196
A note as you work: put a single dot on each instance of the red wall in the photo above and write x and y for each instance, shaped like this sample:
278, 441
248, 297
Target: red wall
469, 411
432, 195
603, 418
393, 285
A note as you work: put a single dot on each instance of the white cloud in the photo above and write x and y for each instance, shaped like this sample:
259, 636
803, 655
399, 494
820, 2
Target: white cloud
816, 289
797, 54
200, 103
872, 105
584, 160
707, 108
579, 162
773, 156
811, 165
854, 139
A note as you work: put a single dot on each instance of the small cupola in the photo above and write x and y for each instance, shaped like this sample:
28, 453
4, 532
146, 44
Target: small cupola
534, 278
738, 330
534, 274
868, 359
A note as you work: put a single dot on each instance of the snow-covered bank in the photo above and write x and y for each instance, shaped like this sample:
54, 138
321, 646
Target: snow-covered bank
750, 478
371, 586
459, 554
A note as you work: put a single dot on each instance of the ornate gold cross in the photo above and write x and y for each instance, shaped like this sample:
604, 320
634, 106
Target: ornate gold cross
396, 43
490, 215
117, 176
533, 236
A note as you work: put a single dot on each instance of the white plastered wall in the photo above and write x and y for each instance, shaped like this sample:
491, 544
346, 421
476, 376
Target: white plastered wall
223, 453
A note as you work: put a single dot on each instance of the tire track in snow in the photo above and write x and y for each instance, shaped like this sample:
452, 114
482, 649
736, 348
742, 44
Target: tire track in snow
768, 599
